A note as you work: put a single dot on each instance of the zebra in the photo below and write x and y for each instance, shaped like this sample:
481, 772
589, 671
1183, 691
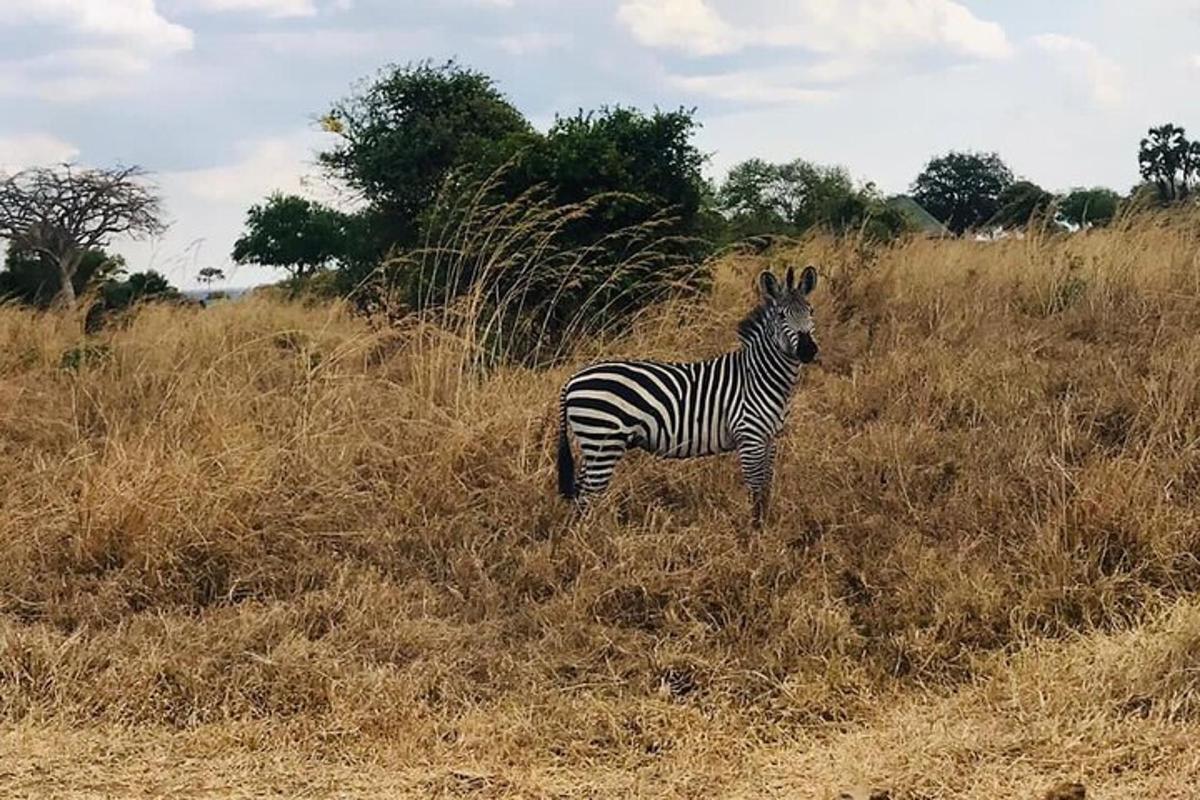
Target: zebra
736, 401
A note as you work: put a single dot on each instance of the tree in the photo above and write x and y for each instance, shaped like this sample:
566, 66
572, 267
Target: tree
1168, 160
210, 275
292, 233
1022, 203
760, 198
1086, 208
962, 189
651, 158
402, 134
32, 278
611, 205
612, 183
63, 213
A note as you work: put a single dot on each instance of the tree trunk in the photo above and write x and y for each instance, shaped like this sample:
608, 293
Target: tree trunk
67, 265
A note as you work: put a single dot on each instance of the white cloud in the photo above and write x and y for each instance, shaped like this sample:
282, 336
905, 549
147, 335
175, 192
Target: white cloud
105, 43
1097, 75
1196, 60
281, 163
523, 44
271, 8
327, 43
134, 23
874, 27
34, 150
67, 76
834, 41
687, 25
759, 88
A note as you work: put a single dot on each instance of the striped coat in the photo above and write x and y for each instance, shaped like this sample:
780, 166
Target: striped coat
734, 402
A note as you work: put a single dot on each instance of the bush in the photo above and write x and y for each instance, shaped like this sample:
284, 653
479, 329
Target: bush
32, 279
1086, 208
116, 296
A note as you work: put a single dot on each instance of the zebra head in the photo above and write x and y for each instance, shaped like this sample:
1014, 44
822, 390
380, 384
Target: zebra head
788, 316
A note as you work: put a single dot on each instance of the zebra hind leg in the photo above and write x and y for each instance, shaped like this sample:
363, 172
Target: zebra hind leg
599, 461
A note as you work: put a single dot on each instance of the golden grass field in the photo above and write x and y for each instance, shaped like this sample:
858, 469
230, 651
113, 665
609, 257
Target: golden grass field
266, 549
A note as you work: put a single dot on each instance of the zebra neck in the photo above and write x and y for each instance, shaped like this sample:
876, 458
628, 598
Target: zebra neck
765, 363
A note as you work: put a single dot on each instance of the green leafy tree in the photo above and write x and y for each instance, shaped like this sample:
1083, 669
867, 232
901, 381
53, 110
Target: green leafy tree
635, 184
1085, 208
402, 134
34, 279
764, 198
645, 163
962, 189
368, 239
1168, 160
293, 234
1022, 203
428, 146
624, 150
761, 197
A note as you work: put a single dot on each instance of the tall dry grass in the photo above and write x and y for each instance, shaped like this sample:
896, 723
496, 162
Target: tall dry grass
277, 522
519, 280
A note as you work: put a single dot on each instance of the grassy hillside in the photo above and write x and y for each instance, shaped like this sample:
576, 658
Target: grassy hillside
268, 546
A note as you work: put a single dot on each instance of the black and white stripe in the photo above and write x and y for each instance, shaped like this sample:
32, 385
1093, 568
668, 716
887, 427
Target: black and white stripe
736, 401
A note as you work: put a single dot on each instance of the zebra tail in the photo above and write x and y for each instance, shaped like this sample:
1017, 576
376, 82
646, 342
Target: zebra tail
566, 462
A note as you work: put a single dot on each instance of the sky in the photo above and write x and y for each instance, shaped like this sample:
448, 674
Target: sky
219, 98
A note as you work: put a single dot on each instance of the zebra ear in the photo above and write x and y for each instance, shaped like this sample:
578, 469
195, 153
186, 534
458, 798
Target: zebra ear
808, 279
769, 285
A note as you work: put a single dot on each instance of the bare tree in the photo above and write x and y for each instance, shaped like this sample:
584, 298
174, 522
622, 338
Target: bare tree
64, 212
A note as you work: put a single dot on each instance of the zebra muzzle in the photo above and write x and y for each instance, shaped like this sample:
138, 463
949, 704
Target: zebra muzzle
808, 350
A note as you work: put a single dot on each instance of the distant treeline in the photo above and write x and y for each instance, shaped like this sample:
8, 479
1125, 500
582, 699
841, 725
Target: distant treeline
557, 231
421, 137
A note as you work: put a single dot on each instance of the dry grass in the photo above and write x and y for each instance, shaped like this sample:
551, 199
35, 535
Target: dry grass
266, 547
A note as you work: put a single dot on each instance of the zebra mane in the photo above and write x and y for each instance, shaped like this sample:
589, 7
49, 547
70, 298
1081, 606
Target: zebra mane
752, 323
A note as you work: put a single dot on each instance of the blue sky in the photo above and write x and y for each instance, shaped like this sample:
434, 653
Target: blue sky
217, 97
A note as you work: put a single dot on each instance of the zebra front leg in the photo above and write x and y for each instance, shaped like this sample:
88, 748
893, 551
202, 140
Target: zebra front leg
757, 458
760, 499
